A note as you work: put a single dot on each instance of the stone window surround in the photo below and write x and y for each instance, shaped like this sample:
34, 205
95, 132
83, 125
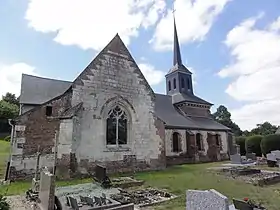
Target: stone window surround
200, 141
126, 107
179, 141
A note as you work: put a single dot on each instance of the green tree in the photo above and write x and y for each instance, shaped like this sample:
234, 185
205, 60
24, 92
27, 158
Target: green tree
223, 116
264, 129
11, 98
8, 109
253, 144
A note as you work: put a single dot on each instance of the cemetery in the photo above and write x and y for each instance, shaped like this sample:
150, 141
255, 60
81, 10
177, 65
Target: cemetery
174, 188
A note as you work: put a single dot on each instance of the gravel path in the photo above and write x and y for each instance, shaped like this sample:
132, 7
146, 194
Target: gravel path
18, 202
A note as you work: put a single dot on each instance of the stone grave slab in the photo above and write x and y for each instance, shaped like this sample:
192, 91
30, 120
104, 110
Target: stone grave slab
47, 190
276, 153
206, 200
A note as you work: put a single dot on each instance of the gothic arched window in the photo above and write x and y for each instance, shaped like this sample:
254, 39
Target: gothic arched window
169, 85
116, 129
198, 140
175, 142
174, 83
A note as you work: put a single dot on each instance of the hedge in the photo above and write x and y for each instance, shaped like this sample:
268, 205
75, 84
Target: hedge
253, 144
241, 142
270, 143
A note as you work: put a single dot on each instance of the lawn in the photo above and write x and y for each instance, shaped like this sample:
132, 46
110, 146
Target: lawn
4, 153
177, 180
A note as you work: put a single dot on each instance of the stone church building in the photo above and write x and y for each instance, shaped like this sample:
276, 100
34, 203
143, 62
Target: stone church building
110, 115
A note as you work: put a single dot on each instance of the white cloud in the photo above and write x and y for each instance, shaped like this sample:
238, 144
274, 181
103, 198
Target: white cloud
255, 72
91, 23
194, 19
152, 75
10, 77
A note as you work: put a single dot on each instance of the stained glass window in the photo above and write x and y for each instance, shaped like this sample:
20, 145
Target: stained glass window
116, 127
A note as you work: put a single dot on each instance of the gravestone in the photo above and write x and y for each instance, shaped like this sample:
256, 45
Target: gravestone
271, 157
236, 159
100, 173
47, 190
100, 176
271, 160
276, 153
206, 200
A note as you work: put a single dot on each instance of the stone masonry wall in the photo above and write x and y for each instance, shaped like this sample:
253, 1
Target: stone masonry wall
34, 129
114, 78
210, 151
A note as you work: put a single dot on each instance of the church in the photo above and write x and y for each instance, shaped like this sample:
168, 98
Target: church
110, 115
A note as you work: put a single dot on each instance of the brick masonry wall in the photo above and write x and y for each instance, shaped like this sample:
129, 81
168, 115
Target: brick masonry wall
34, 129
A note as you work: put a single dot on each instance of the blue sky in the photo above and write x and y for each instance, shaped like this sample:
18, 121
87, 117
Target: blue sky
228, 44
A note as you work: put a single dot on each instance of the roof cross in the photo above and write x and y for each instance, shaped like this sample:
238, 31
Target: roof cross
173, 9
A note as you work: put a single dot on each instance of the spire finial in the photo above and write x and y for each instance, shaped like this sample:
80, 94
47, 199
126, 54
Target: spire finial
176, 49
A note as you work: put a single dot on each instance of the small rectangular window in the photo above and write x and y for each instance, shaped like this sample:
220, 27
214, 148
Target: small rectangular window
49, 111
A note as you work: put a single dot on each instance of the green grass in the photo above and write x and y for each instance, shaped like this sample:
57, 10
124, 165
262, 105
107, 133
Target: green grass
180, 178
4, 153
176, 180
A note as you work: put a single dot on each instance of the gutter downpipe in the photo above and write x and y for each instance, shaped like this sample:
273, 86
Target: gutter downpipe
12, 124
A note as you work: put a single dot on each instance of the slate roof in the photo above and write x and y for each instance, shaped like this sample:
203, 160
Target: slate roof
181, 97
69, 113
37, 90
167, 112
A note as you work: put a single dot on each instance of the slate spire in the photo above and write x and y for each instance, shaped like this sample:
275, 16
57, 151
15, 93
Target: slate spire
177, 60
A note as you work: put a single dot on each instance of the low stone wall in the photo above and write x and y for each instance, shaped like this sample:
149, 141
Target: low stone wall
178, 160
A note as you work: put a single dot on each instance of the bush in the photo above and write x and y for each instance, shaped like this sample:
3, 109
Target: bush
253, 145
3, 203
241, 142
270, 143
7, 138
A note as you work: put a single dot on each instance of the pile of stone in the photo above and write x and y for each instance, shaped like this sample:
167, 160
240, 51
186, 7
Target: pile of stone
95, 203
143, 197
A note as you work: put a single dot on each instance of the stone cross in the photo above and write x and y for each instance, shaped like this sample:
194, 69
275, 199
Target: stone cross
38, 163
55, 152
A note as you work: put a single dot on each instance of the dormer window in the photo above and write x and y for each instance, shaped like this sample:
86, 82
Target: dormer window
48, 111
174, 83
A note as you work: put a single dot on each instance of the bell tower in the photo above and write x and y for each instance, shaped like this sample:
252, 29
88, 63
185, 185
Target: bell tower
179, 78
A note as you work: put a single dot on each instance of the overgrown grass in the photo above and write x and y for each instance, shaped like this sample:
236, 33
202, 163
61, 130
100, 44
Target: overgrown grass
4, 154
176, 180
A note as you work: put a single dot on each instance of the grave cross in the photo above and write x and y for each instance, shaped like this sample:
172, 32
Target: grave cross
37, 163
